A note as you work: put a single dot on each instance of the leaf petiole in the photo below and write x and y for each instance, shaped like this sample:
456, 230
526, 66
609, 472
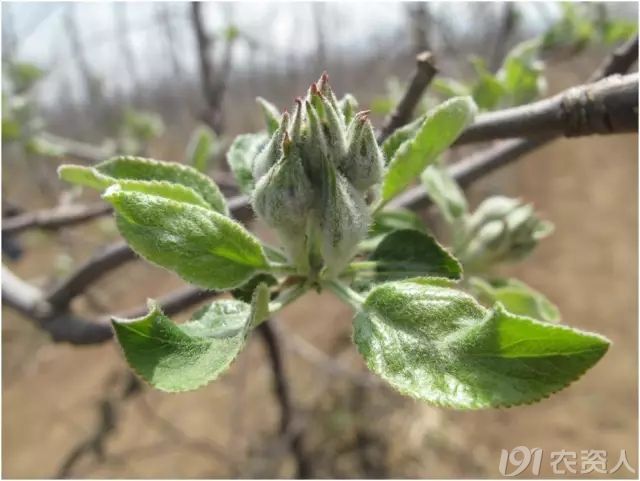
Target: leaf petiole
286, 297
281, 268
345, 293
361, 266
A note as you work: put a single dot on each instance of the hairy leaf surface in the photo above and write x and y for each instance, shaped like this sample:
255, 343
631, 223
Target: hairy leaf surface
440, 128
201, 245
404, 254
438, 344
137, 168
241, 155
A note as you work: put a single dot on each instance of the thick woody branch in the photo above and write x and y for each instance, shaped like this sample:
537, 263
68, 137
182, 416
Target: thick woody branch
609, 106
425, 71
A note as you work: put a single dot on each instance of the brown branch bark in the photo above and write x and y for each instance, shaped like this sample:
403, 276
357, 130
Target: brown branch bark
481, 163
62, 216
425, 71
273, 345
608, 106
620, 61
213, 88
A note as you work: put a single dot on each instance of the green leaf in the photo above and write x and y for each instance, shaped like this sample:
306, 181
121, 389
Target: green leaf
521, 74
202, 147
245, 291
241, 155
517, 297
11, 130
439, 345
183, 357
201, 245
176, 192
399, 137
449, 87
440, 128
487, 91
271, 114
404, 254
445, 192
385, 221
24, 75
111, 171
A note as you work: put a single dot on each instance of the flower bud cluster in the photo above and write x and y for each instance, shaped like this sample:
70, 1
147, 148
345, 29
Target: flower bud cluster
314, 179
501, 229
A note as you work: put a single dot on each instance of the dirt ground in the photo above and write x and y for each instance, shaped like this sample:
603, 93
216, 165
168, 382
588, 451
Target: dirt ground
352, 427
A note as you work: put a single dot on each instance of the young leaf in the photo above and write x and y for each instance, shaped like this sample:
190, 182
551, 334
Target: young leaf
111, 171
183, 357
241, 155
201, 148
516, 297
176, 192
439, 345
201, 245
449, 87
404, 254
271, 114
399, 137
440, 128
386, 221
246, 290
445, 193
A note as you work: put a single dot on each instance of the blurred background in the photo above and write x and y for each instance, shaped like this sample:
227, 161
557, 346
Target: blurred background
82, 81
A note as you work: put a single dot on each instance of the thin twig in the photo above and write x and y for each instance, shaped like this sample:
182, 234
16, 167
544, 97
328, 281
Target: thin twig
620, 61
109, 410
425, 71
61, 216
271, 339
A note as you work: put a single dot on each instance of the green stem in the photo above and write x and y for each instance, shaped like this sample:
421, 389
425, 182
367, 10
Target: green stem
286, 297
345, 293
361, 266
281, 268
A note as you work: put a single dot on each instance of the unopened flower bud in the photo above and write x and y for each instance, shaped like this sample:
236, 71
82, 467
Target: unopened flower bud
364, 163
343, 220
283, 198
348, 105
501, 229
327, 92
272, 151
334, 130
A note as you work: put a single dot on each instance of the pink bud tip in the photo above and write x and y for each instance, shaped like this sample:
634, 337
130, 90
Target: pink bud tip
363, 116
314, 89
286, 112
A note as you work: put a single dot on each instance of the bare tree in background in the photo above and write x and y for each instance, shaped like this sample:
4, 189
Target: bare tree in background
214, 80
318, 14
420, 25
93, 87
164, 18
507, 27
124, 45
